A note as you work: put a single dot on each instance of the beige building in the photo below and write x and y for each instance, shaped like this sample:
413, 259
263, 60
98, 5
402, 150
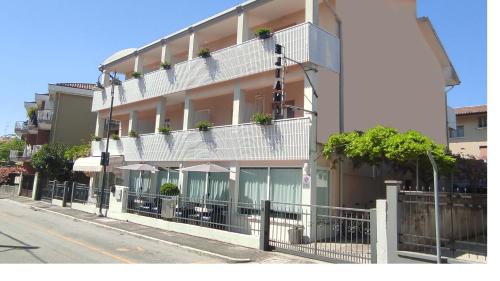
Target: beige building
63, 115
470, 137
370, 62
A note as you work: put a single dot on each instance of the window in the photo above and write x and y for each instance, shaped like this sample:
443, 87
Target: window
458, 133
139, 182
290, 112
218, 186
284, 186
323, 191
482, 121
169, 175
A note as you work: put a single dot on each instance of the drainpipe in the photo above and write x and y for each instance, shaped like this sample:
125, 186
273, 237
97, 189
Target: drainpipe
446, 107
341, 94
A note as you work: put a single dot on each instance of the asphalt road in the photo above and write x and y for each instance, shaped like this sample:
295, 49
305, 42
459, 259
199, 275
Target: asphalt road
29, 236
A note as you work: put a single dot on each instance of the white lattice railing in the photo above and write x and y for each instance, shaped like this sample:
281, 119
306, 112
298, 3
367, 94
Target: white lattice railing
304, 42
284, 140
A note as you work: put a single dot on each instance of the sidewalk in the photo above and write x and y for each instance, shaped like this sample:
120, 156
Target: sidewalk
232, 253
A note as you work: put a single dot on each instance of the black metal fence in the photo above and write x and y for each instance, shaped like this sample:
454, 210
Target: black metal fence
322, 232
80, 193
59, 190
222, 215
463, 218
47, 191
105, 198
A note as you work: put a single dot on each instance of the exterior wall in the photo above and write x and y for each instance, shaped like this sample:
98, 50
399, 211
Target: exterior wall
40, 138
409, 92
220, 107
73, 121
474, 137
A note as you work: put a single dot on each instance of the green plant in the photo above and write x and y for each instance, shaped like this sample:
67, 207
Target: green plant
115, 137
136, 74
31, 113
166, 65
164, 130
97, 138
50, 160
169, 189
204, 53
133, 134
262, 118
8, 145
203, 125
263, 33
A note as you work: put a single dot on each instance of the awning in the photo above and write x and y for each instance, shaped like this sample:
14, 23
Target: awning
206, 168
93, 164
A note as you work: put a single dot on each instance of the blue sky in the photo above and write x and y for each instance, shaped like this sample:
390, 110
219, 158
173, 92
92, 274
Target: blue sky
64, 41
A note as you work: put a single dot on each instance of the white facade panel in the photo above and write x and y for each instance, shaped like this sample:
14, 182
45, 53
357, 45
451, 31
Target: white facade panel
303, 43
284, 140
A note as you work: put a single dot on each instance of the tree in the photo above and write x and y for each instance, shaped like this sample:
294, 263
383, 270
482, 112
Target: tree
7, 146
403, 151
50, 161
77, 151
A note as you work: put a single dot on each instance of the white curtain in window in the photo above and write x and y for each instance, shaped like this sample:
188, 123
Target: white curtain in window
162, 178
174, 177
252, 186
196, 185
218, 186
134, 181
286, 185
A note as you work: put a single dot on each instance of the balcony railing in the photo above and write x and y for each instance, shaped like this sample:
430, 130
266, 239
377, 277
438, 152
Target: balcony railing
305, 42
286, 139
29, 150
44, 119
21, 127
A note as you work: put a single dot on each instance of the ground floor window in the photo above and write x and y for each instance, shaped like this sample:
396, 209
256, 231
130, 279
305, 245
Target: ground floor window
167, 176
323, 191
139, 181
217, 189
280, 185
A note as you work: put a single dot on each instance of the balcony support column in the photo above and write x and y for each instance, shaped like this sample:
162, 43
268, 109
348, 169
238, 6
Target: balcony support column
99, 126
238, 104
309, 192
160, 115
138, 64
105, 78
312, 11
243, 32
166, 56
188, 113
193, 45
132, 122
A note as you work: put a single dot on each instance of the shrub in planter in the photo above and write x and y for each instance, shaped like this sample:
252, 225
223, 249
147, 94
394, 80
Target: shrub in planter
137, 75
97, 138
203, 126
164, 130
204, 53
166, 65
133, 134
262, 118
115, 137
169, 189
263, 33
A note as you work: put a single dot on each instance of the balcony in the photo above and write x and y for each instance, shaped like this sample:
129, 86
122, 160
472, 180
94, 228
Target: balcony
44, 118
305, 42
21, 128
18, 156
286, 139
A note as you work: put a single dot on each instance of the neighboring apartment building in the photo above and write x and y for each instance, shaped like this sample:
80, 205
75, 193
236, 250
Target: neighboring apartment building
63, 115
470, 137
371, 62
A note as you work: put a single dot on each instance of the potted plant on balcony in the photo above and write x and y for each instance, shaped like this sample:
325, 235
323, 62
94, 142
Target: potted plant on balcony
262, 118
115, 137
263, 33
204, 53
136, 75
203, 125
166, 65
164, 130
32, 114
133, 134
97, 138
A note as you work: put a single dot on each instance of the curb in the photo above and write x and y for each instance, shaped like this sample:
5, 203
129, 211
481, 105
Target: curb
234, 260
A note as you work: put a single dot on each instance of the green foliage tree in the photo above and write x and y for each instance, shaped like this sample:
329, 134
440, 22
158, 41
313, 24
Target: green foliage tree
169, 189
78, 151
50, 161
7, 146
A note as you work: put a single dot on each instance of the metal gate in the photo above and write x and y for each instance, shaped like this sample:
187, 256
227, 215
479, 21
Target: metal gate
463, 220
27, 186
47, 191
341, 235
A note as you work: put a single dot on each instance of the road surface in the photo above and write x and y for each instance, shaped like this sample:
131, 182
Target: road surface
29, 236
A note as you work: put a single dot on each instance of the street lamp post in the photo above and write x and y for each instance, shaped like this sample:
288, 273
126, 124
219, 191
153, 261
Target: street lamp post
105, 155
